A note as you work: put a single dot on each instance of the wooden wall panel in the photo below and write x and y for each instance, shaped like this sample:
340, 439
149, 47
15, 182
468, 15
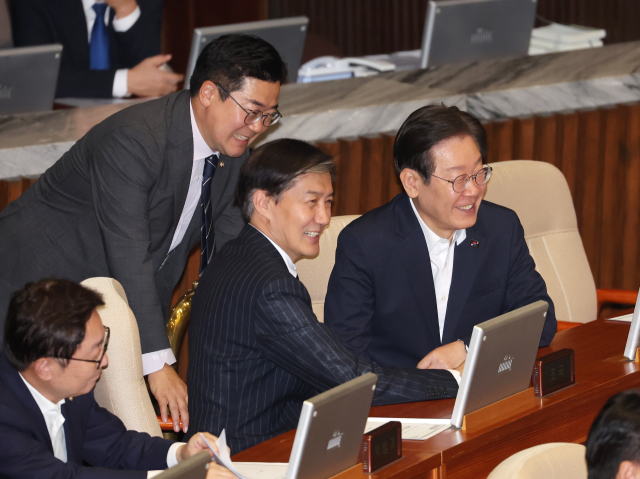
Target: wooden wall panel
630, 161
332, 148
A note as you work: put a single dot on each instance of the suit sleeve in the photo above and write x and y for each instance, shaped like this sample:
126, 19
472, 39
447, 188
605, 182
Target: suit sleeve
290, 335
111, 450
525, 285
33, 26
350, 301
123, 172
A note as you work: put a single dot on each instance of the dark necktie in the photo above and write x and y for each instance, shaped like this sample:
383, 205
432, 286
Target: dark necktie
99, 46
207, 239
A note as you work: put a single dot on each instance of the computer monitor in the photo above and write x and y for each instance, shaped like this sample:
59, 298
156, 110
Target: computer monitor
28, 78
287, 35
457, 31
634, 333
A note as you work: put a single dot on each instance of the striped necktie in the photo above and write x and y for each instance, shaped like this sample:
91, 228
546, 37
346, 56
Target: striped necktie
99, 45
207, 237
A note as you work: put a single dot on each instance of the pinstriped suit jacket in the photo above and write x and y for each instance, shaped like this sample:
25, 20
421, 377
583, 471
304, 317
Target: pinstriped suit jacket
257, 351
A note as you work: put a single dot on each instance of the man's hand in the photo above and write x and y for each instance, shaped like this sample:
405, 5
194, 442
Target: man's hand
449, 356
168, 389
195, 445
122, 8
219, 472
147, 79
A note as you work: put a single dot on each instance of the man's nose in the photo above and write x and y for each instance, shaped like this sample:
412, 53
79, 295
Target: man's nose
323, 216
258, 126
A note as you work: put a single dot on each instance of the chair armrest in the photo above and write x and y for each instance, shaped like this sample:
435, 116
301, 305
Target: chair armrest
167, 426
615, 296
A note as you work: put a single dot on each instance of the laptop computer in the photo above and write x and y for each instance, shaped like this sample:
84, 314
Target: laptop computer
500, 359
287, 35
28, 78
458, 31
193, 468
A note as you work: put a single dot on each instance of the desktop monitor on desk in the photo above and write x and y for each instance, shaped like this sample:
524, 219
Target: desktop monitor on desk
459, 31
287, 35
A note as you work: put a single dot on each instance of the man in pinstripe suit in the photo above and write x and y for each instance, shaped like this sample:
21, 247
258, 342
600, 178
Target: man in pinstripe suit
256, 349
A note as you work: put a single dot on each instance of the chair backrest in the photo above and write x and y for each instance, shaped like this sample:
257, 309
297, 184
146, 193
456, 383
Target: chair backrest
121, 388
6, 40
556, 460
538, 192
314, 272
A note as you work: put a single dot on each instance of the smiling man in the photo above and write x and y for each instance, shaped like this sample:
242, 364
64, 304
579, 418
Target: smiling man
413, 277
256, 350
132, 197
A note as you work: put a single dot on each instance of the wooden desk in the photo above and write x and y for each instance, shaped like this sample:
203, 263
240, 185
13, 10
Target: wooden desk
563, 417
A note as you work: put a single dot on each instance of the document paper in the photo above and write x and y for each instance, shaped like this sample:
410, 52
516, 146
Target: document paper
412, 429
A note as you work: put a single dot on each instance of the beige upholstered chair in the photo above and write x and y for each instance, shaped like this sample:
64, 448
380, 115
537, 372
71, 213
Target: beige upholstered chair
539, 194
314, 272
121, 388
556, 460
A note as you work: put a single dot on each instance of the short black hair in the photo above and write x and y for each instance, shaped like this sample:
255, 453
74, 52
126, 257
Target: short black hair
47, 319
428, 126
614, 436
228, 60
274, 167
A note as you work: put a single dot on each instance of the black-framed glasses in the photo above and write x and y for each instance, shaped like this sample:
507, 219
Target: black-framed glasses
461, 182
253, 116
105, 344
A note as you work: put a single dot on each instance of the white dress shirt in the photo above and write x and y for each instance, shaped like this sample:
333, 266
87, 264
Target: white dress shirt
441, 254
53, 418
154, 361
123, 24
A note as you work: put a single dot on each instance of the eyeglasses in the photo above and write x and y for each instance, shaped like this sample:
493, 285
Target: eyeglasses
253, 116
105, 344
461, 182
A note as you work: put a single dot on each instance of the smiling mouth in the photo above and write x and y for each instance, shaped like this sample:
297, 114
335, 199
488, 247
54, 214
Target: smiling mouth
240, 137
468, 207
312, 234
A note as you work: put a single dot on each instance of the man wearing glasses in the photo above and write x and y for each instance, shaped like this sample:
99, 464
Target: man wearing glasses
413, 277
54, 351
132, 197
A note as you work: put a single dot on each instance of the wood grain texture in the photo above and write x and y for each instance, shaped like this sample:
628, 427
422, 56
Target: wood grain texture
562, 417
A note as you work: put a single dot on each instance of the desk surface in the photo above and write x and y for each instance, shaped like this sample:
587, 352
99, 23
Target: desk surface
562, 417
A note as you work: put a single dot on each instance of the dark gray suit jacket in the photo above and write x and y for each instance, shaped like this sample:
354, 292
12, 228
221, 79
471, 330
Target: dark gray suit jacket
110, 207
257, 351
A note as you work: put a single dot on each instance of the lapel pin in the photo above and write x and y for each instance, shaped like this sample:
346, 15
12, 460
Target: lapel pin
222, 164
71, 398
475, 243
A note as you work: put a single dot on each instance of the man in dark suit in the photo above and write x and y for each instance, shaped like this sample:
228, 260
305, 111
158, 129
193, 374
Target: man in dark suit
132, 197
256, 350
413, 277
51, 427
132, 34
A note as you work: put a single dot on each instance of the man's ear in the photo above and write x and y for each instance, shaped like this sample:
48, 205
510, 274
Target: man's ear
628, 470
409, 179
42, 367
208, 93
263, 204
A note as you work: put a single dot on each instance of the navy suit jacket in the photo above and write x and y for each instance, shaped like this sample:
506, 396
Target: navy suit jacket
41, 22
381, 299
257, 351
93, 435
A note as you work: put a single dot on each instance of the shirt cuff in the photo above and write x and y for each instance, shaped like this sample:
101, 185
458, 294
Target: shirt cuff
125, 23
456, 375
172, 460
120, 79
155, 361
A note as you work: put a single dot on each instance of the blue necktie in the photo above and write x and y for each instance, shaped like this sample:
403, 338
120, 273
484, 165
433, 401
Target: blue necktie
99, 46
207, 239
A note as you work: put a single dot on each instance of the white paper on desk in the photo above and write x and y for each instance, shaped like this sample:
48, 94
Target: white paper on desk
262, 470
248, 470
625, 319
412, 428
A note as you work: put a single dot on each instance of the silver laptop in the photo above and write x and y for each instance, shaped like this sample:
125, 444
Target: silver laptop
458, 31
193, 468
28, 78
330, 430
500, 359
287, 35
633, 338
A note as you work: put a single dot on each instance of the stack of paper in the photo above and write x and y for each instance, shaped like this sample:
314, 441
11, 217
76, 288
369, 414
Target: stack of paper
561, 38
